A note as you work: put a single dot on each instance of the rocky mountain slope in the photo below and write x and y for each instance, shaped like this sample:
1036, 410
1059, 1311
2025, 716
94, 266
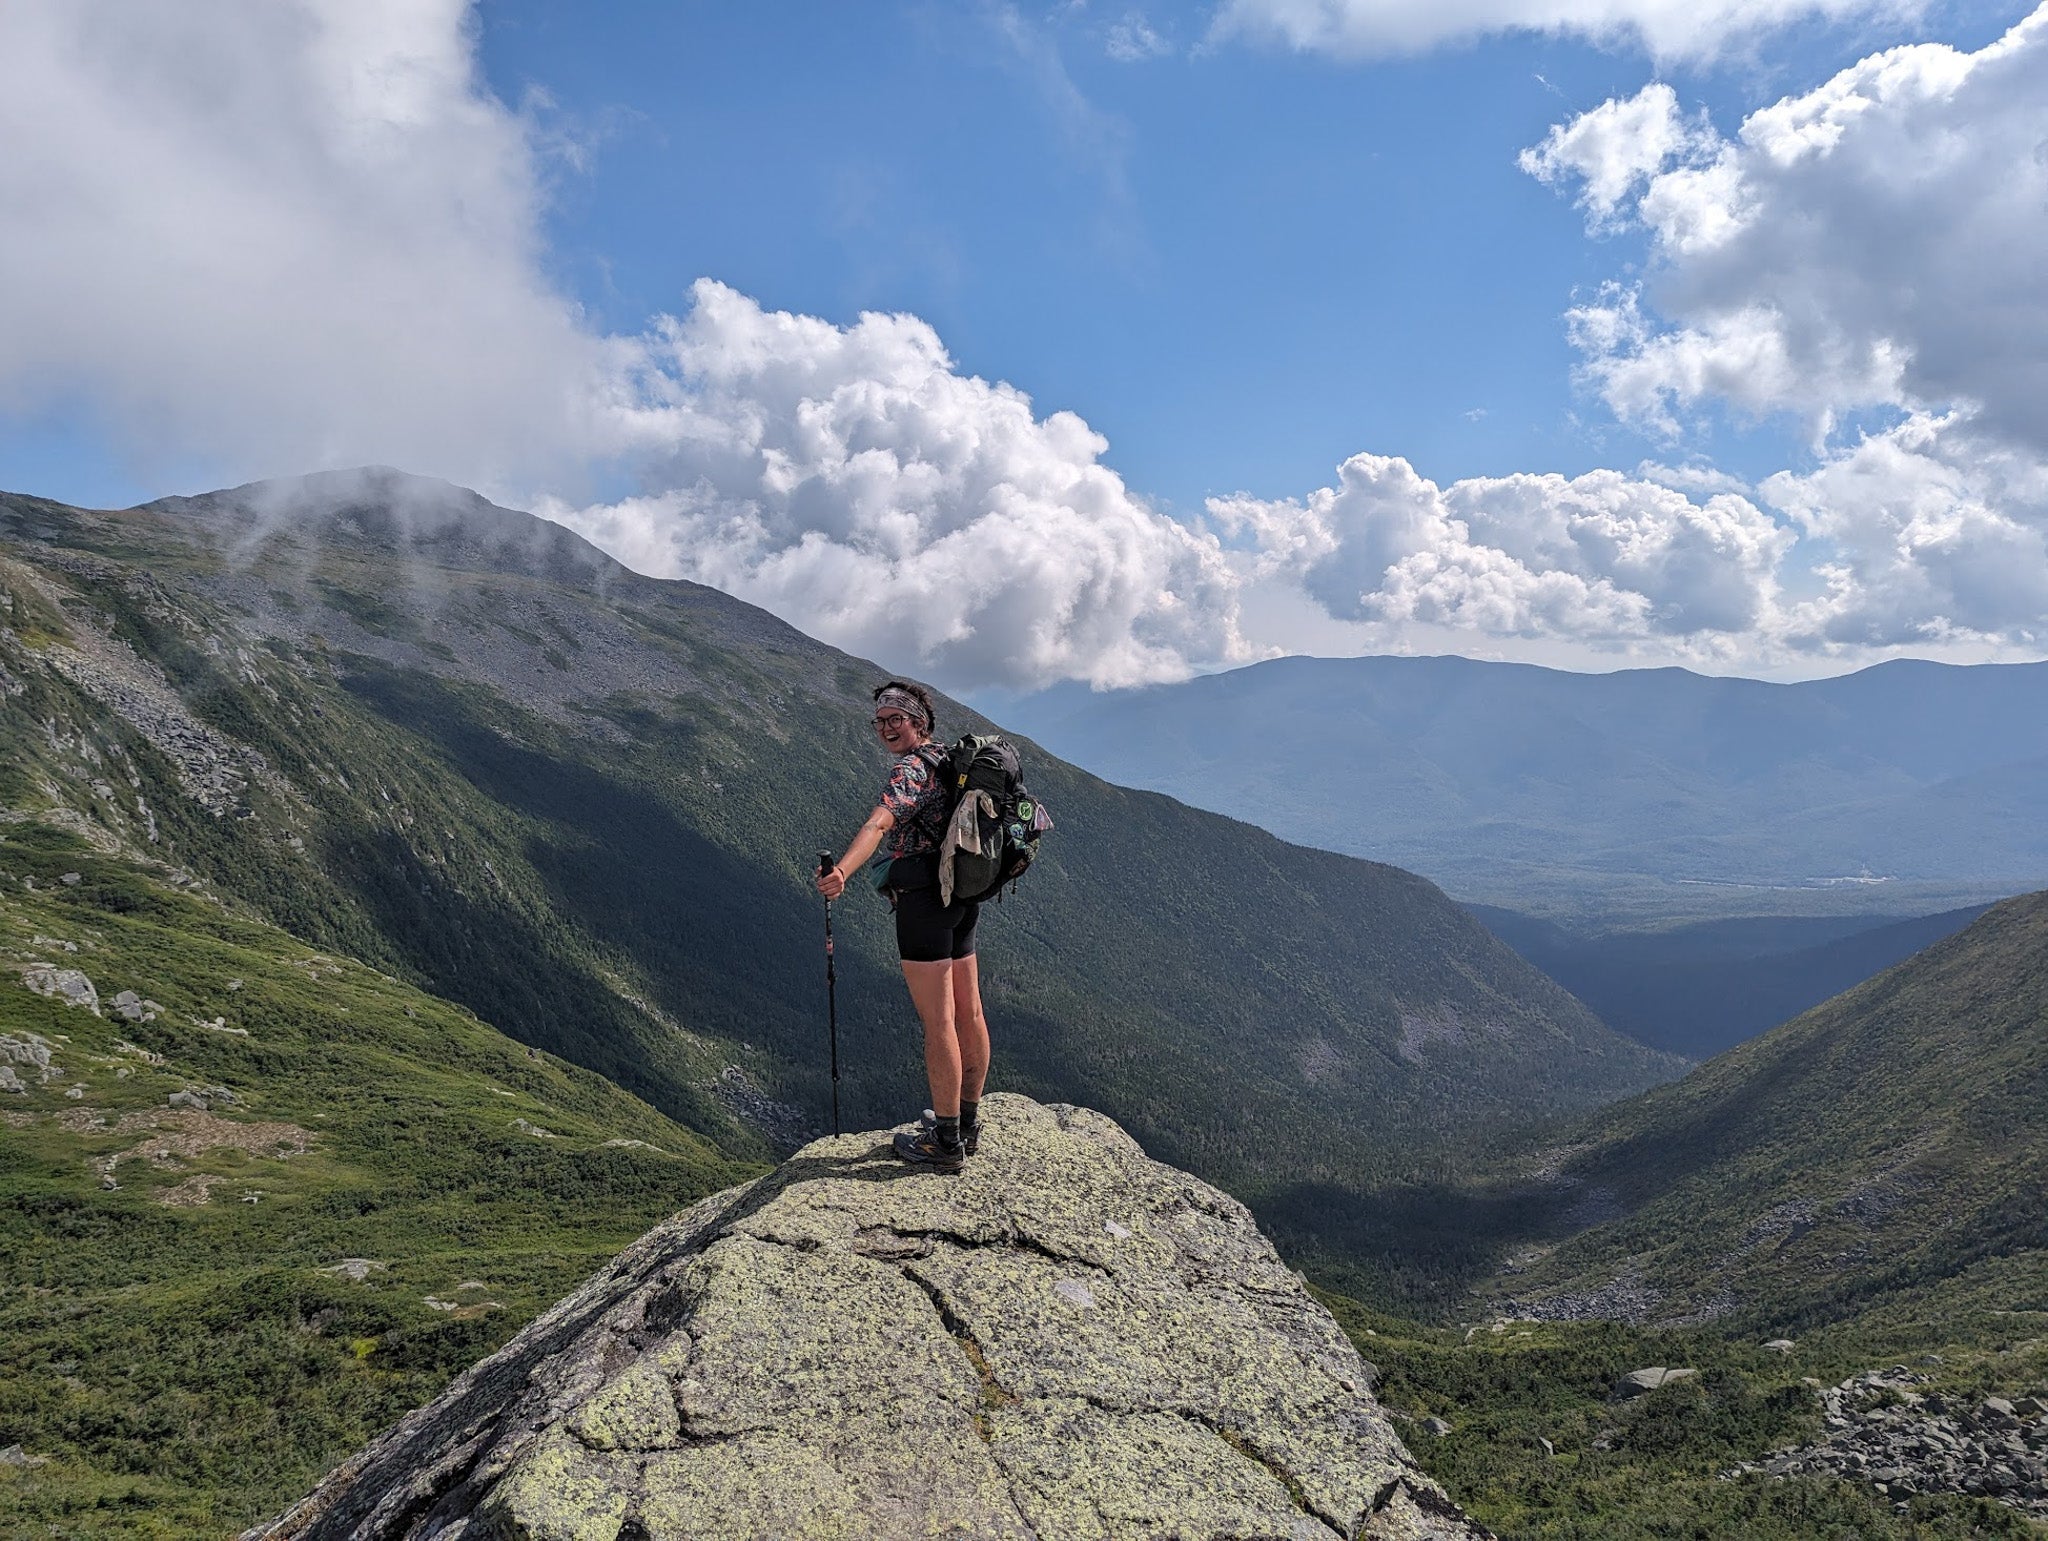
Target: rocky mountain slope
1637, 791
1067, 1341
461, 744
1886, 1151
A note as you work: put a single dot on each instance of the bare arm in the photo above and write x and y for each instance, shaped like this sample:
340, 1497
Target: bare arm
832, 882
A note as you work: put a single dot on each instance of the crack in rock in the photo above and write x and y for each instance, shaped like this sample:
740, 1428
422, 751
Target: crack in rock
992, 1392
1247, 1447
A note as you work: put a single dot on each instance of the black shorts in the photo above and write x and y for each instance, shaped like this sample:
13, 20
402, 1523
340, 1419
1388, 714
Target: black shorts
930, 932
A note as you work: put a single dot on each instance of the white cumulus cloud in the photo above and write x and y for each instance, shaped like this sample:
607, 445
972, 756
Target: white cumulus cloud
1870, 250
279, 234
1600, 557
1934, 536
1668, 29
1876, 242
1614, 150
852, 480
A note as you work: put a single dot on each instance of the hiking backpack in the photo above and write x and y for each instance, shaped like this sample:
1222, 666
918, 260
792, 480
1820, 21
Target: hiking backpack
1007, 819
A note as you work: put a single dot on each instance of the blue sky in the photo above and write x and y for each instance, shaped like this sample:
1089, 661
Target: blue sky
1240, 264
1244, 244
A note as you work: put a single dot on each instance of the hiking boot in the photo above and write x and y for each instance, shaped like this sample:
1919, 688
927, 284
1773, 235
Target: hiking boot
925, 1148
970, 1135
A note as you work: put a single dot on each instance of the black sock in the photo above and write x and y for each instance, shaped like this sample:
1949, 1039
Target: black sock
970, 1113
947, 1132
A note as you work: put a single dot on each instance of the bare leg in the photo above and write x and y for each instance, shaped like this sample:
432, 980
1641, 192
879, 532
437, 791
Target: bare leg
970, 1027
931, 992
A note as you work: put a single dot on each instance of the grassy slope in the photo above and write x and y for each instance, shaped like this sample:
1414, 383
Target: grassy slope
585, 804
186, 1368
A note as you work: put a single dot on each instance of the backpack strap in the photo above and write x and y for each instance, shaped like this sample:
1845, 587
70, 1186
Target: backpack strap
957, 761
938, 760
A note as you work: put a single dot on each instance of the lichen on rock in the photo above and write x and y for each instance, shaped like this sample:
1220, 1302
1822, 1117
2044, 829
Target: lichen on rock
1067, 1341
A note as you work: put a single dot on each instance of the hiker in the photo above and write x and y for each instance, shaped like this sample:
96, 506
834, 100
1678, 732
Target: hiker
934, 940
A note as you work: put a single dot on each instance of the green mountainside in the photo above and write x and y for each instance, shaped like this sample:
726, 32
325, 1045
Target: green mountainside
461, 744
329, 787
1862, 1192
202, 1121
1885, 1153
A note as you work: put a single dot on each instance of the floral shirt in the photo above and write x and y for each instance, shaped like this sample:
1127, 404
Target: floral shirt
916, 795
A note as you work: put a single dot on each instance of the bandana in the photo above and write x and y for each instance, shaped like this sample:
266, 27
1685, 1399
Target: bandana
904, 702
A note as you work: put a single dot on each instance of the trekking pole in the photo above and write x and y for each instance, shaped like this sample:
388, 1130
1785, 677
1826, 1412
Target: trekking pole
831, 993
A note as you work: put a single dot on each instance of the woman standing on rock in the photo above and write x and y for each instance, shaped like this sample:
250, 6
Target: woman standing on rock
935, 941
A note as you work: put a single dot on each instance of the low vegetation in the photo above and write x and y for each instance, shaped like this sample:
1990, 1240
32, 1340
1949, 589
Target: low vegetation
1537, 1445
189, 1343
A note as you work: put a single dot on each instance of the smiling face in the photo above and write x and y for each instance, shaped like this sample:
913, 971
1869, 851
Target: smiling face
898, 730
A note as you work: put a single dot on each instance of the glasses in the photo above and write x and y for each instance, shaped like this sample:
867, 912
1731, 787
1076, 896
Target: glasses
889, 722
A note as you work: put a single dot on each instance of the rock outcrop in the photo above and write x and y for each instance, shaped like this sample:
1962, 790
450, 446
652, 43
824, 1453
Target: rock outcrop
1882, 1430
1067, 1341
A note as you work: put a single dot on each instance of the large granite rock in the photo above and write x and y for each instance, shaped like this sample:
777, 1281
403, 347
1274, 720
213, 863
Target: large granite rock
1067, 1341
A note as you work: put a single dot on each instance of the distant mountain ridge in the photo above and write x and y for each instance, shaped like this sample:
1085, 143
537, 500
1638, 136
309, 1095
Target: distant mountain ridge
1503, 781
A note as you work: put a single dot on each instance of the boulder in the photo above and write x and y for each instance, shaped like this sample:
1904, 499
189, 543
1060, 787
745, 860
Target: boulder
65, 984
1637, 1382
202, 1099
852, 1347
355, 1268
31, 1051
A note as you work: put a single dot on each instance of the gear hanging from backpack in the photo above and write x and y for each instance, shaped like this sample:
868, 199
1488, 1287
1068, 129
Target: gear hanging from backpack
993, 822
